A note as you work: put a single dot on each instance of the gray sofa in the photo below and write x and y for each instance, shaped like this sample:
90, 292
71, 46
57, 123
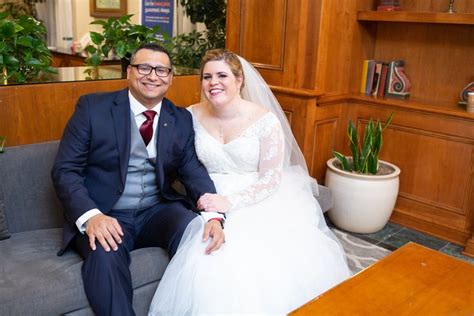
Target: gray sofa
33, 279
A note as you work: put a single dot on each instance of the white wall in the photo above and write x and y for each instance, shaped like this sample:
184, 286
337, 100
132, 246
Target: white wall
82, 18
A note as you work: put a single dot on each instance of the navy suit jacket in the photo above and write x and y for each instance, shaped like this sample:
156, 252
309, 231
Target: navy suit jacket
92, 161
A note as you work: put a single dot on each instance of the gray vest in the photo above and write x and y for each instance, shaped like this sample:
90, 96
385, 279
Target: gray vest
141, 188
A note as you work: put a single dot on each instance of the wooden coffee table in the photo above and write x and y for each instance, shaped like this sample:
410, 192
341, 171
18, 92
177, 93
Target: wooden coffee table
413, 280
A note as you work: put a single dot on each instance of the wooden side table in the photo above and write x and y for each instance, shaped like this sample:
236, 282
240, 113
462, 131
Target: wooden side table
413, 280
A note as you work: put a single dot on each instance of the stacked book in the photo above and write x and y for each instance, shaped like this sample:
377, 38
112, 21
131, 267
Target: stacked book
381, 79
374, 78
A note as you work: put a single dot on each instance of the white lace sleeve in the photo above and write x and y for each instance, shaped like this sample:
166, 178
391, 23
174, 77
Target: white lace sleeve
269, 168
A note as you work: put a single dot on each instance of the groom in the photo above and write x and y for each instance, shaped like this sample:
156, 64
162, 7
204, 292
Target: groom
118, 157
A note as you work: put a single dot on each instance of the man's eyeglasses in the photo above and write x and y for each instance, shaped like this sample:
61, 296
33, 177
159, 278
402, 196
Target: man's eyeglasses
160, 71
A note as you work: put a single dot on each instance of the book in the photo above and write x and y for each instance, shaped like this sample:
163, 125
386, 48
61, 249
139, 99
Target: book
377, 77
383, 80
370, 77
363, 78
385, 92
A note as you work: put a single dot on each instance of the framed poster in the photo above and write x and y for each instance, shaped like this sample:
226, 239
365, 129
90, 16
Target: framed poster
107, 8
159, 12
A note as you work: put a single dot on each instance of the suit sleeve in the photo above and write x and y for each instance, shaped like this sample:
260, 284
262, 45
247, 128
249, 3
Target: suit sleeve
191, 171
70, 163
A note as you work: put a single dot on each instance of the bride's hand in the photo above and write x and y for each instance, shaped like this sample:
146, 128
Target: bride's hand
213, 203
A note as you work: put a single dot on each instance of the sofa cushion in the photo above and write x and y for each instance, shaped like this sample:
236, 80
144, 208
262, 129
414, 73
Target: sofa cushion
34, 280
3, 222
25, 173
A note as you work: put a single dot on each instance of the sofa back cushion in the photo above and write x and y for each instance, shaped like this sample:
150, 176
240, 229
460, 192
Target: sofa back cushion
29, 198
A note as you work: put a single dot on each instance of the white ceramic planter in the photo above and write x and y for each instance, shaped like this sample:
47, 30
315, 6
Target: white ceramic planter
362, 203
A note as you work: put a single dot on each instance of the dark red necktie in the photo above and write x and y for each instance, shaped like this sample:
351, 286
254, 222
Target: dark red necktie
147, 127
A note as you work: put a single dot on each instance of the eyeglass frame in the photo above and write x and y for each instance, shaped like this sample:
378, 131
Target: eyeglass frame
151, 69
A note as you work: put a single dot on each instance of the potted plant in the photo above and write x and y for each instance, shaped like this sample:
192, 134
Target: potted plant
119, 37
188, 49
364, 188
24, 55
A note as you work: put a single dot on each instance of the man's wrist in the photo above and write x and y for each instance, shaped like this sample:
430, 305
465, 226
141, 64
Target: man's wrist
221, 221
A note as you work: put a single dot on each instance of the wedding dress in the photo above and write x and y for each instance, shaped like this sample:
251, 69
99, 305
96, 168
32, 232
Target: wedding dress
279, 252
276, 256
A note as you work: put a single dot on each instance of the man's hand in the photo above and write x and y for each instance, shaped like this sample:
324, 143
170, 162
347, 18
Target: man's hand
213, 229
210, 202
106, 230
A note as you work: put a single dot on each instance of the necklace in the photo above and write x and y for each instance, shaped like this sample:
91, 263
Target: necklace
220, 128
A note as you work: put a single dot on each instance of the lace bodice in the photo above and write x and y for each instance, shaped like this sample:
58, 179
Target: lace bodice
259, 150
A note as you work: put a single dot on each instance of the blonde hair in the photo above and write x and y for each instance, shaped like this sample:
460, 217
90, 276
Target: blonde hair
230, 59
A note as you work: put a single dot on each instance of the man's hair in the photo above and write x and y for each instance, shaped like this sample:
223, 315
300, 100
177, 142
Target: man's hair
154, 47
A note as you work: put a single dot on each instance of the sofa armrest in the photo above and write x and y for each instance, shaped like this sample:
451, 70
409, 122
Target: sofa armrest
324, 198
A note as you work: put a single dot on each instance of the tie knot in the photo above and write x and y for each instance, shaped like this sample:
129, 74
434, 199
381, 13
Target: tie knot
149, 114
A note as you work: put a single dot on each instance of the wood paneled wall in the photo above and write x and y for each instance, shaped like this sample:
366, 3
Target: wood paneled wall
431, 138
273, 35
38, 112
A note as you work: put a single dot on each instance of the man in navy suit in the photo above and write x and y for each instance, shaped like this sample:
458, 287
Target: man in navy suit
119, 155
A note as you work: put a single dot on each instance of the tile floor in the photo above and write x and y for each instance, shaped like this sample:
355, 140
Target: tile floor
394, 236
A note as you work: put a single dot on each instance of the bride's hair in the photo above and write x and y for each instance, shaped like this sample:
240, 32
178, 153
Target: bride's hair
228, 57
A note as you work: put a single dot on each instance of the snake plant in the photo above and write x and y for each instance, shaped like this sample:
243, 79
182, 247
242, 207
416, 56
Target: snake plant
365, 155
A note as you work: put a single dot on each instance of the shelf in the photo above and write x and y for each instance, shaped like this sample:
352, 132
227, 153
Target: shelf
417, 105
417, 17
411, 103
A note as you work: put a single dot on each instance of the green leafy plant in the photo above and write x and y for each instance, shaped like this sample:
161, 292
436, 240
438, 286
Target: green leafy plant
365, 155
188, 49
120, 36
213, 14
24, 54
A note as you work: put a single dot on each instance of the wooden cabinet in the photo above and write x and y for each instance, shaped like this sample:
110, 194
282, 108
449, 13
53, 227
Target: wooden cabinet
432, 139
311, 51
32, 113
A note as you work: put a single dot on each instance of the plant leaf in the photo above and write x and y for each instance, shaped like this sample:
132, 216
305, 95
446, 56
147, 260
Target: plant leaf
96, 38
366, 148
26, 41
388, 121
354, 143
346, 165
372, 163
33, 62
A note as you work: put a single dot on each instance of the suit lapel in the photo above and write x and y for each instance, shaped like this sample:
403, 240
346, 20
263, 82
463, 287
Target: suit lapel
121, 117
164, 135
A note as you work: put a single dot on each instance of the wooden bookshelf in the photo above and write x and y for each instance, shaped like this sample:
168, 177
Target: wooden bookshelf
317, 47
417, 104
417, 17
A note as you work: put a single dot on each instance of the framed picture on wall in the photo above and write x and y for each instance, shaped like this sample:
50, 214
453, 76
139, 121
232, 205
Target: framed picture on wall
107, 8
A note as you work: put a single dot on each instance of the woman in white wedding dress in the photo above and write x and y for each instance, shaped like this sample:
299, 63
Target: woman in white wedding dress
279, 252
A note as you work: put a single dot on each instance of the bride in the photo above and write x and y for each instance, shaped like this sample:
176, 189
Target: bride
279, 252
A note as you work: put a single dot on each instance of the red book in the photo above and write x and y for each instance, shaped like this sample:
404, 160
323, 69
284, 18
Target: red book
383, 80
